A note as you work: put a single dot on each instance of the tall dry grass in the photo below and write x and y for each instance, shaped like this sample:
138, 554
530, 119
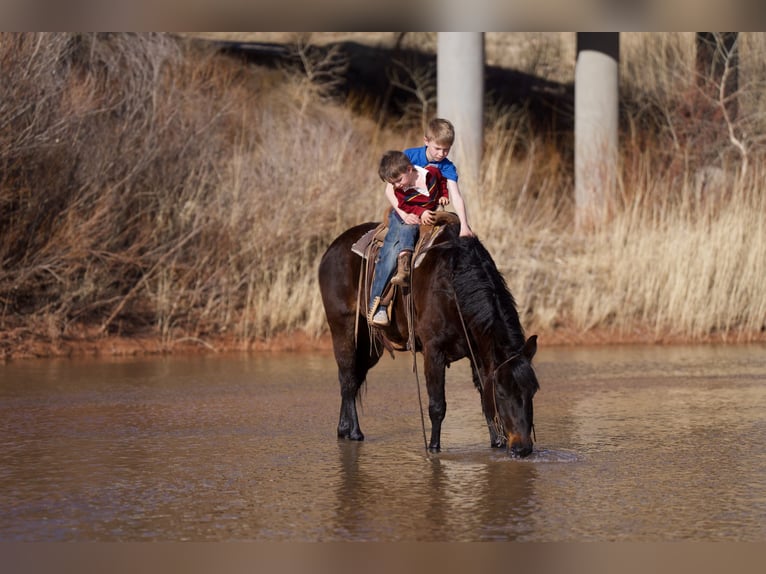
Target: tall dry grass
690, 272
153, 186
150, 186
682, 256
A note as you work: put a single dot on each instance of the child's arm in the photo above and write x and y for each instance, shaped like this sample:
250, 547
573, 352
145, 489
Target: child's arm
459, 205
391, 196
444, 199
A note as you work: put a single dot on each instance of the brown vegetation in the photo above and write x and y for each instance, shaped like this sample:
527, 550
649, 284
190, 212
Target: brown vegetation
156, 195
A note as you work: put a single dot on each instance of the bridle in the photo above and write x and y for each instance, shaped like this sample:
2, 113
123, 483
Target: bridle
498, 424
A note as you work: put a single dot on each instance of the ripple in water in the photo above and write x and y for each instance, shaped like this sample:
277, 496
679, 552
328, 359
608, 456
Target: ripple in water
539, 455
551, 455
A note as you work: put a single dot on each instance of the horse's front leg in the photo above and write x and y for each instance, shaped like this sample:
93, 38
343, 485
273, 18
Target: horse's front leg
496, 439
437, 403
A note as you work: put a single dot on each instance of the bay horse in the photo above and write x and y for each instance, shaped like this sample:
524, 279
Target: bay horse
462, 309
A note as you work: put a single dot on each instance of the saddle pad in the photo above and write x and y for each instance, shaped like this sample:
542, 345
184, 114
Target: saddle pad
361, 245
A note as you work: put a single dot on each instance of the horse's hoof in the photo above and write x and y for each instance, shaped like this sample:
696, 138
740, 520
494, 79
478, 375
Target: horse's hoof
434, 448
358, 436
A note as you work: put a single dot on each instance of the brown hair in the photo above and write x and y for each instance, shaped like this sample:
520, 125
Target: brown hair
441, 131
393, 164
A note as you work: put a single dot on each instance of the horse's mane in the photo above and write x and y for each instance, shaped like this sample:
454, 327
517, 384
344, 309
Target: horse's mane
482, 293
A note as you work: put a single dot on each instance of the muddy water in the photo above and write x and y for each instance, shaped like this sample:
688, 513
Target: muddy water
634, 443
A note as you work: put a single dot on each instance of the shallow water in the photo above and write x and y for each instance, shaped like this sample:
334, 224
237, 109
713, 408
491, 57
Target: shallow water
633, 443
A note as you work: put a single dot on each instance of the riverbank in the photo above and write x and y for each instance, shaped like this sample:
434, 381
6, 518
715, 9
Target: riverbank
125, 233
20, 345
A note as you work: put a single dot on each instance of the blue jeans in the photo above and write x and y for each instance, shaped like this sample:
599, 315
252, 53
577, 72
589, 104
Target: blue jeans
399, 237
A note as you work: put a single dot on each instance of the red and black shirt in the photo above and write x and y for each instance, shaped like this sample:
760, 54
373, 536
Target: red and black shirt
412, 200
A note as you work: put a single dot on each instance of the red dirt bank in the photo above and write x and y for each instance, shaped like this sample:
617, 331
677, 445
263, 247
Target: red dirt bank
21, 344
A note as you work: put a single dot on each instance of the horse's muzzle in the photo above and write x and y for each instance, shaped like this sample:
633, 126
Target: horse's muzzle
519, 447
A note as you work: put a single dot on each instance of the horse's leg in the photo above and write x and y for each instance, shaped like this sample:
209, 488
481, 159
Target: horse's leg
437, 403
340, 274
354, 361
496, 440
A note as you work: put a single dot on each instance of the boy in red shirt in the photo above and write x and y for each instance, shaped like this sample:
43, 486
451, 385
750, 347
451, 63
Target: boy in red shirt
418, 192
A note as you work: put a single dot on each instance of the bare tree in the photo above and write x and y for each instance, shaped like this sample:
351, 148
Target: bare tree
717, 66
323, 68
420, 82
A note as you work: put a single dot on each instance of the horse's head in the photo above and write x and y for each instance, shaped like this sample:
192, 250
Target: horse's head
515, 385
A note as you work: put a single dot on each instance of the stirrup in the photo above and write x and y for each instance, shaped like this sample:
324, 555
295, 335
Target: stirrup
380, 319
373, 307
377, 315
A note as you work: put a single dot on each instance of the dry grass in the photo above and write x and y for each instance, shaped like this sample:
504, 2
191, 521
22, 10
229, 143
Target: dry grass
151, 187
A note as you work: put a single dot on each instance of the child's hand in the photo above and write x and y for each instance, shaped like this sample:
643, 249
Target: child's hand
427, 217
466, 231
411, 219
444, 201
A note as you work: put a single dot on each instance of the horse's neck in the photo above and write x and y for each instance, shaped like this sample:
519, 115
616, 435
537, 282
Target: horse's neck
495, 348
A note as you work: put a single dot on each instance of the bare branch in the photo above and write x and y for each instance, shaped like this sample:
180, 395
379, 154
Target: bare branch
420, 82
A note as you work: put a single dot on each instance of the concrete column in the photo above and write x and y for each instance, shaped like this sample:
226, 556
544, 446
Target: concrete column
460, 99
596, 123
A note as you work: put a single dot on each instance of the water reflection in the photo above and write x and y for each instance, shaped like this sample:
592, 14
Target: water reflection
634, 443
493, 498
455, 497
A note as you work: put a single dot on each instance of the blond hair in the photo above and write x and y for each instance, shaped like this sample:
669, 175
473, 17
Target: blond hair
441, 131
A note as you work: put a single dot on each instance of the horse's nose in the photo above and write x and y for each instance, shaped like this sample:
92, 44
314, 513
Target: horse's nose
519, 448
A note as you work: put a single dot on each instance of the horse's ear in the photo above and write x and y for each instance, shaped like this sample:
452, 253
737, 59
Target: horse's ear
530, 347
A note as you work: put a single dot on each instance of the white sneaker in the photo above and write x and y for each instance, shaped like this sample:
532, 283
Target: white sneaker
380, 318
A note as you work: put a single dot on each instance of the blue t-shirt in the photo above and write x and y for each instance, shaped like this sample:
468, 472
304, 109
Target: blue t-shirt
417, 156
